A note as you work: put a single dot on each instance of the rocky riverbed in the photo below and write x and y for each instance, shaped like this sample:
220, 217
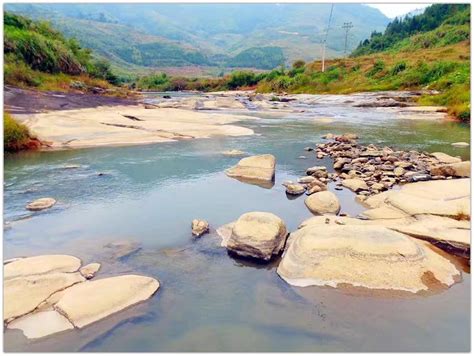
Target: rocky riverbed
60, 121
137, 212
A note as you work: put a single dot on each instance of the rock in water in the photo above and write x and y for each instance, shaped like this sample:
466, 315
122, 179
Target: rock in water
259, 168
41, 204
445, 158
23, 294
460, 144
122, 249
363, 256
90, 270
323, 203
199, 227
257, 234
41, 324
460, 169
295, 189
41, 265
355, 184
88, 302
234, 153
451, 235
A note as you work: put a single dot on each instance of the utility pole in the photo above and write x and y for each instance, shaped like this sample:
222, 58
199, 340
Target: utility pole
325, 38
347, 26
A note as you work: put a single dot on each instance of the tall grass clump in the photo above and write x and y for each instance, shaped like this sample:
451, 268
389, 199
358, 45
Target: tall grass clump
15, 135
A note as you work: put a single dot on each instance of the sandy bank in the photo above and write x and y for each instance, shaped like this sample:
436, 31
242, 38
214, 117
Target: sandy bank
128, 125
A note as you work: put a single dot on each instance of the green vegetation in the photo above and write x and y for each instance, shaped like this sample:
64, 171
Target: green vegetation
437, 57
36, 55
138, 36
446, 69
450, 20
261, 57
234, 80
15, 135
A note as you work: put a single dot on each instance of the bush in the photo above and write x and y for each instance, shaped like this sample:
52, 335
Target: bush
298, 64
378, 66
15, 135
157, 81
101, 69
36, 46
241, 79
398, 67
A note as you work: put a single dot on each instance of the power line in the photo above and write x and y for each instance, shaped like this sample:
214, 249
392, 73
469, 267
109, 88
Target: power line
347, 26
326, 37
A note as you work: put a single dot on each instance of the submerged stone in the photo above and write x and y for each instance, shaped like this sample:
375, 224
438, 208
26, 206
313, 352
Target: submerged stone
40, 324
41, 204
234, 153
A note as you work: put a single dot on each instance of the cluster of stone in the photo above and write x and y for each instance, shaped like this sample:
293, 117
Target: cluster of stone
370, 169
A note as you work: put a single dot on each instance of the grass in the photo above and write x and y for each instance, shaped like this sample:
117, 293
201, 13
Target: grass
446, 69
15, 135
19, 74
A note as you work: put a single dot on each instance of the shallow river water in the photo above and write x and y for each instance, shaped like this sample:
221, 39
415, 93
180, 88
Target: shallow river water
208, 300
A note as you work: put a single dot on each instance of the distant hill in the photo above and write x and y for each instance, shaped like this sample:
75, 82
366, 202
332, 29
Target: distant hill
426, 51
266, 57
221, 35
452, 22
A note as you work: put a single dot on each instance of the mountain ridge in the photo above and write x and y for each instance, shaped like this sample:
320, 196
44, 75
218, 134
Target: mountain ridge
214, 30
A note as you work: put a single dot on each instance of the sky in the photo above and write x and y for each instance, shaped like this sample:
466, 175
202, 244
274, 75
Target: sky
393, 10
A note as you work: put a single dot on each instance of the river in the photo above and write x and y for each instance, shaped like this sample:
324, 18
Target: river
208, 300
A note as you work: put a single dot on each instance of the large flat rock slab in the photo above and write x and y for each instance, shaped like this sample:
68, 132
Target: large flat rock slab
129, 125
439, 197
40, 265
413, 205
452, 236
373, 257
88, 302
459, 169
439, 189
22, 295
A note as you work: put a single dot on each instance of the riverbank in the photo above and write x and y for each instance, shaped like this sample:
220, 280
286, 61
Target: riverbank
65, 121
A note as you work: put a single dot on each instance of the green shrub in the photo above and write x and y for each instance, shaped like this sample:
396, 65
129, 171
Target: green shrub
398, 67
378, 66
15, 135
242, 79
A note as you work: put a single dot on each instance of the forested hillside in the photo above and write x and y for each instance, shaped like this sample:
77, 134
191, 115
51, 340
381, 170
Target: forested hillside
140, 36
451, 22
427, 51
36, 55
